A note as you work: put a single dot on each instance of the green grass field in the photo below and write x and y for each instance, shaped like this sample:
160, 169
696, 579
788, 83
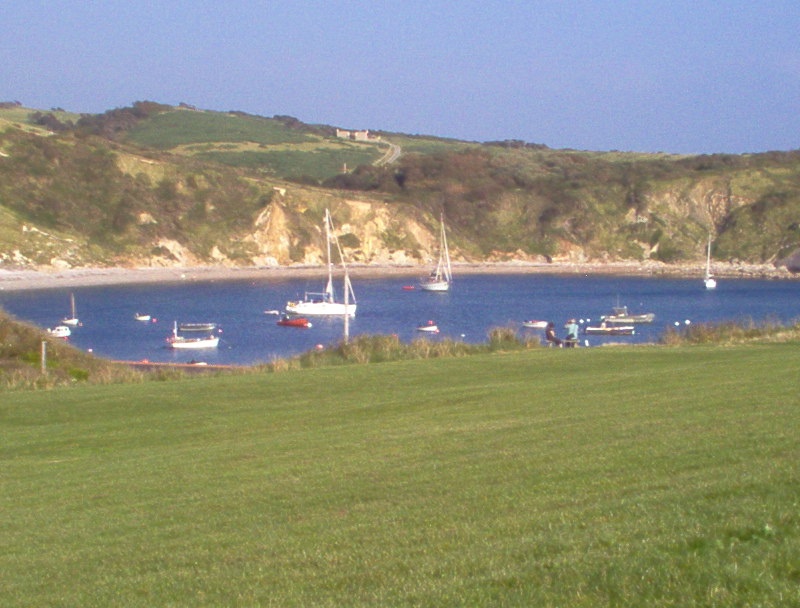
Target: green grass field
180, 127
648, 476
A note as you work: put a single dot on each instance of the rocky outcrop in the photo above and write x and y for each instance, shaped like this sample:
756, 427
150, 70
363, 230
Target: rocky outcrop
790, 262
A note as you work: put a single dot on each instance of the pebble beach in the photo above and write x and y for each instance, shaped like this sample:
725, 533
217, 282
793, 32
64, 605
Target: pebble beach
80, 277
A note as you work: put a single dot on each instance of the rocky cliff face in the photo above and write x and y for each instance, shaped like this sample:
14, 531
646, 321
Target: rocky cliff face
195, 218
369, 233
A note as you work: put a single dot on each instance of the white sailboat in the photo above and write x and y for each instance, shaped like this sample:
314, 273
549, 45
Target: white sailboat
442, 276
72, 319
324, 303
709, 280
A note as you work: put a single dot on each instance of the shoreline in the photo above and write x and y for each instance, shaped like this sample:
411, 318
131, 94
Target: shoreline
22, 280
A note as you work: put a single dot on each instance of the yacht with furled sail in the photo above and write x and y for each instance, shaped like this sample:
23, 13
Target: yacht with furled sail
72, 320
709, 281
324, 303
442, 276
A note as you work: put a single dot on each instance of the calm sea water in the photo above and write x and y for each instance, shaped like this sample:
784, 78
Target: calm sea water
476, 304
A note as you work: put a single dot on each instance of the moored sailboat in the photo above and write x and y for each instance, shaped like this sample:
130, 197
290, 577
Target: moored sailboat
324, 303
72, 320
442, 276
709, 281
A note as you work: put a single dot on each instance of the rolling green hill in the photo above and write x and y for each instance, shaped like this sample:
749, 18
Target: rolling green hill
155, 184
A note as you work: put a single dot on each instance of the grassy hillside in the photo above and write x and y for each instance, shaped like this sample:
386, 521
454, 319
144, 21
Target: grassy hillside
282, 148
175, 128
22, 346
156, 184
628, 477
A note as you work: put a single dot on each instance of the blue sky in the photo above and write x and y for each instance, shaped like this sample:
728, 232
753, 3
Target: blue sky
698, 76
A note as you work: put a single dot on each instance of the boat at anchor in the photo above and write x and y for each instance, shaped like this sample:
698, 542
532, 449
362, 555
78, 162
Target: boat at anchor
60, 331
610, 330
621, 316
534, 324
709, 281
182, 342
429, 327
324, 303
197, 326
442, 276
288, 321
72, 320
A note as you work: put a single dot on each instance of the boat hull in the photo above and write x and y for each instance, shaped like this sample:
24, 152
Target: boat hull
192, 343
197, 326
535, 324
646, 318
620, 330
72, 320
296, 322
60, 331
319, 309
435, 286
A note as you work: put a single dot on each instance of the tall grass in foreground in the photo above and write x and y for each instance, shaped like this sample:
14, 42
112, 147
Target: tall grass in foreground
541, 477
382, 348
732, 332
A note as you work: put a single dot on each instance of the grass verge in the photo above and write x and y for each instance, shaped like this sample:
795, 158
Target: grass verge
543, 477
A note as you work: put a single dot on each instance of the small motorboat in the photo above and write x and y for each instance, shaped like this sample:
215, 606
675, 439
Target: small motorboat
610, 330
180, 342
429, 327
141, 317
621, 316
408, 288
287, 321
535, 324
60, 331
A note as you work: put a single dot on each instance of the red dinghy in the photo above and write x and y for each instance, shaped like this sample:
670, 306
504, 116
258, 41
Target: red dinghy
287, 321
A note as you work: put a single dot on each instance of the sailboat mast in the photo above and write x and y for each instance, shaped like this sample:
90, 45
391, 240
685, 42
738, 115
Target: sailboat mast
446, 252
346, 310
329, 286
